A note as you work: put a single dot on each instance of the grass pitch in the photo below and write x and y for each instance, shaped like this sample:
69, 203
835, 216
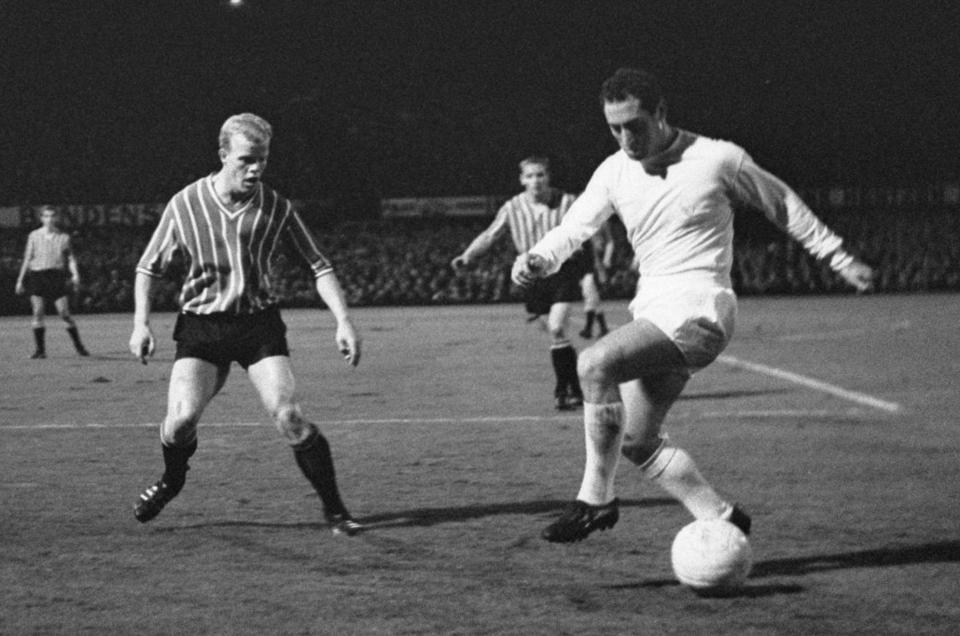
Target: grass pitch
448, 448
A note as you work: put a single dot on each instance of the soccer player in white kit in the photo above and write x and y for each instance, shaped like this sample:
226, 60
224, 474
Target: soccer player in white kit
675, 192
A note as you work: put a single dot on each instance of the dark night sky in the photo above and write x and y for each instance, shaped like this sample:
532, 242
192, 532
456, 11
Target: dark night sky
439, 97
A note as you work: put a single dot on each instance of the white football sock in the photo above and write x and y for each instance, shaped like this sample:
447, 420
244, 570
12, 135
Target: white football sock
673, 470
603, 434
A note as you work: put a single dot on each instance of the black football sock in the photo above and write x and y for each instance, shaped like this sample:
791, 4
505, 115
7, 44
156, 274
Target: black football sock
315, 461
39, 337
589, 325
556, 357
75, 336
175, 464
570, 370
602, 323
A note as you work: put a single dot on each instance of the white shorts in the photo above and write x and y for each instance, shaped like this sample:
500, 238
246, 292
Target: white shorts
698, 316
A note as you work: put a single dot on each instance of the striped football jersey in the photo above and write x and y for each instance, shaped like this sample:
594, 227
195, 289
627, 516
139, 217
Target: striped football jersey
47, 250
229, 253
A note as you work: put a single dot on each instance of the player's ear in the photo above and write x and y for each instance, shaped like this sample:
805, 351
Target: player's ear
661, 112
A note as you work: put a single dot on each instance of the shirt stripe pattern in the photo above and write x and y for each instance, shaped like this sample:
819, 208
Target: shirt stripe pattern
47, 250
229, 254
529, 221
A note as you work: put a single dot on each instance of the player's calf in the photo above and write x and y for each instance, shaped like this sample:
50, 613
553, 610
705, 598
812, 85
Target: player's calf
315, 460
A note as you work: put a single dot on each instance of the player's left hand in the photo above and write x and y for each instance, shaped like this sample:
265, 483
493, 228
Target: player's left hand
142, 343
348, 342
859, 275
527, 269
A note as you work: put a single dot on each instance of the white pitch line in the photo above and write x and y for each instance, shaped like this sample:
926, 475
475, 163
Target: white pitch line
812, 383
764, 413
822, 335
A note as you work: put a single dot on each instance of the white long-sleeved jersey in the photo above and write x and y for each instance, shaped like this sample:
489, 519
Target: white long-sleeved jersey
679, 215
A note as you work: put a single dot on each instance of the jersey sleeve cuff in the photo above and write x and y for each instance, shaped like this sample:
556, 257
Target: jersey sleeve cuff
840, 259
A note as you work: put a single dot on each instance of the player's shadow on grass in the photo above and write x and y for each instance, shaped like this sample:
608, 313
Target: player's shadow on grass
420, 517
425, 517
749, 590
942, 552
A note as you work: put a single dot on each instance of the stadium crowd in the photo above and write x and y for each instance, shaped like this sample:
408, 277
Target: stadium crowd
406, 262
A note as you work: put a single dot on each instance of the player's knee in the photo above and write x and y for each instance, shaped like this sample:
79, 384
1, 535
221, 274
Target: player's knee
593, 365
557, 333
291, 424
183, 418
640, 450
178, 436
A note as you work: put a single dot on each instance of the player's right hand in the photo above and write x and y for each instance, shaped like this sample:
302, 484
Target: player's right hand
348, 342
859, 275
142, 344
459, 262
527, 269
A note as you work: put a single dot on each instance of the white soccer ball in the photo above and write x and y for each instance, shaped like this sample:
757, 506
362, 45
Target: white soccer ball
711, 556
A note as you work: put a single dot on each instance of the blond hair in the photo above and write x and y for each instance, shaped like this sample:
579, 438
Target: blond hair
253, 127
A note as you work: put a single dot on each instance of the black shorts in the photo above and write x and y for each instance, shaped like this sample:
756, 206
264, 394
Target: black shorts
49, 284
562, 287
223, 338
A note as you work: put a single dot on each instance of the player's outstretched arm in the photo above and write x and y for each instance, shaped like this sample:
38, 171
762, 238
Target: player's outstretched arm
347, 337
859, 275
483, 242
527, 268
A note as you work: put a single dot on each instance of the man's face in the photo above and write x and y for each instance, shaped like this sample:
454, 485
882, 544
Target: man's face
535, 178
48, 218
244, 163
636, 131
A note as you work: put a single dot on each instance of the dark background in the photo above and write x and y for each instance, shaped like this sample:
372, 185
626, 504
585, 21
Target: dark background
122, 100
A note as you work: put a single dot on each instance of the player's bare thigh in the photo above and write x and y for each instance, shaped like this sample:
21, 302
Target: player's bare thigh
193, 383
557, 319
274, 381
632, 351
62, 306
38, 307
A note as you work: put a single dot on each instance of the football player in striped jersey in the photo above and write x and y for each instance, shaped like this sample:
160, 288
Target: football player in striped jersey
229, 227
528, 216
47, 260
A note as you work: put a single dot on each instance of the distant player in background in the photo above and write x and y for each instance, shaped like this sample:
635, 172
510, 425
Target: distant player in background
47, 260
599, 250
528, 216
228, 226
675, 192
